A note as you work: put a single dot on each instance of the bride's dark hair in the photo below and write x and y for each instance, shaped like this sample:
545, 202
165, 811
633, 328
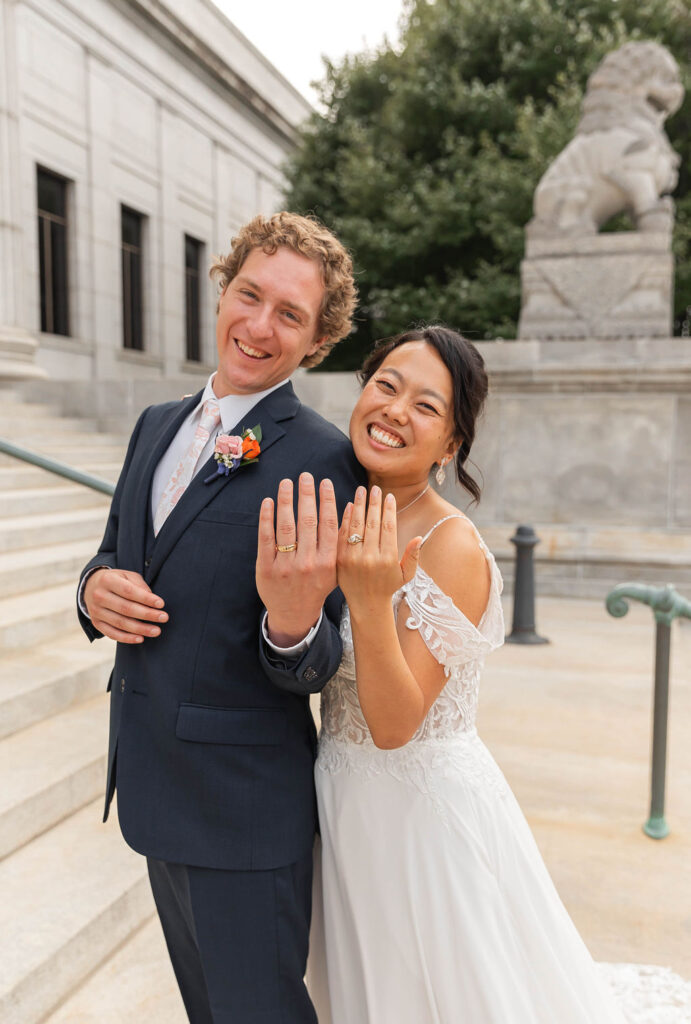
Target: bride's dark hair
467, 369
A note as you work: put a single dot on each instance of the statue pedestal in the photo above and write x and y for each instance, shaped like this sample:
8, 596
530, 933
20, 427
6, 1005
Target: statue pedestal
612, 285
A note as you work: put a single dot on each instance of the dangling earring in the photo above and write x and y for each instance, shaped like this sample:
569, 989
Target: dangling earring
440, 475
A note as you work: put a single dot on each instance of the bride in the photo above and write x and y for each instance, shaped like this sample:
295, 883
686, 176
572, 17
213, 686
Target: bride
432, 903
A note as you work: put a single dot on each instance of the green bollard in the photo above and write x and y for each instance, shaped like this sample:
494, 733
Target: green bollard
523, 628
667, 605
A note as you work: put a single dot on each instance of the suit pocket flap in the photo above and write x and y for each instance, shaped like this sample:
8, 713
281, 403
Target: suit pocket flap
231, 517
251, 726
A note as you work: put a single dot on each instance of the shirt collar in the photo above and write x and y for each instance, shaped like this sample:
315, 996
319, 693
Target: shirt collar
234, 407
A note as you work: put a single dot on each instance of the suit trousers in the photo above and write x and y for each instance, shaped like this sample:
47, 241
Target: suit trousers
238, 940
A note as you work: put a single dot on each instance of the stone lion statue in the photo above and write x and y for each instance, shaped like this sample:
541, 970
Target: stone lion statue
620, 158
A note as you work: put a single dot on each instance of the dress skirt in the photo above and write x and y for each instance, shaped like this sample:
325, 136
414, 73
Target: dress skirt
435, 900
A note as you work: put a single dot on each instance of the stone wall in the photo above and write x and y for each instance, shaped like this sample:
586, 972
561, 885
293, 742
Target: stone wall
588, 432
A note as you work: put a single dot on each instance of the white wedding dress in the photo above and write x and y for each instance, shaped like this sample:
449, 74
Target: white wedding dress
432, 903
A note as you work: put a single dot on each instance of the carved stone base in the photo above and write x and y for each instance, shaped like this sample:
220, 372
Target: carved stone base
616, 285
17, 355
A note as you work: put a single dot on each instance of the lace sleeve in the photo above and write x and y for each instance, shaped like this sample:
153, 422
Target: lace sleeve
451, 637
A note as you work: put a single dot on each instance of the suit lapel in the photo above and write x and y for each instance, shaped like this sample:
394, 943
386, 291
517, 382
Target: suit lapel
279, 405
165, 431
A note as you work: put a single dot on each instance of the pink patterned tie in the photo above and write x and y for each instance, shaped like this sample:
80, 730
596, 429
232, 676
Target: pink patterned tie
182, 474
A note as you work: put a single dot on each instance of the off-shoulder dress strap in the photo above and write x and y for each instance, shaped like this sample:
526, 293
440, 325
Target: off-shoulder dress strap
452, 515
478, 535
439, 620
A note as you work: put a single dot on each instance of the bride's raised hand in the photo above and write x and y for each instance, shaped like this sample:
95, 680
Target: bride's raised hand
369, 569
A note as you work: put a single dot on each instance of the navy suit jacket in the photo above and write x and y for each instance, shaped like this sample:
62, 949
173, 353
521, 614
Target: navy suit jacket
212, 742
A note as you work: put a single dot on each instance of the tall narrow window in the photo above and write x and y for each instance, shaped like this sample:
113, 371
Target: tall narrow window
193, 258
132, 284
52, 251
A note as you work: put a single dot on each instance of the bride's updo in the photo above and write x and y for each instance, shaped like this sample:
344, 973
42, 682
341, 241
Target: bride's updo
467, 369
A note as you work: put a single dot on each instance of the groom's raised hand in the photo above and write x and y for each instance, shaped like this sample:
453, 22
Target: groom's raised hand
294, 583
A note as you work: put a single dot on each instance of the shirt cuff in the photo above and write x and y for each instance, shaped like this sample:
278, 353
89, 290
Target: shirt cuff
80, 592
298, 648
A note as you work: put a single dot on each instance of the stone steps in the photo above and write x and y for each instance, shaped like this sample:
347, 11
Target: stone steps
30, 619
35, 500
38, 683
73, 893
22, 427
150, 995
19, 532
71, 897
42, 430
35, 568
12, 404
20, 474
51, 769
74, 453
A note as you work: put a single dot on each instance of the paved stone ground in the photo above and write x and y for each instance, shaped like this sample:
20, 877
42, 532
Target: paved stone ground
569, 723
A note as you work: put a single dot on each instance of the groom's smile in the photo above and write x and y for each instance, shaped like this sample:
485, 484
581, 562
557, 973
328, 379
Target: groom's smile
252, 353
268, 320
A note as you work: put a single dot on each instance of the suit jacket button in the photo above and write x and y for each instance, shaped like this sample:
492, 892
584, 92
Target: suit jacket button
122, 686
147, 563
309, 675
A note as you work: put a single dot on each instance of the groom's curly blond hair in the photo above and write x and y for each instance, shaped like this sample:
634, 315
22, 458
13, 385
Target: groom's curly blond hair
307, 237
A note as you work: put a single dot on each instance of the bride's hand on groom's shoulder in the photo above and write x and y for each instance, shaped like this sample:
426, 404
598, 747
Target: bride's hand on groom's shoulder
296, 562
369, 569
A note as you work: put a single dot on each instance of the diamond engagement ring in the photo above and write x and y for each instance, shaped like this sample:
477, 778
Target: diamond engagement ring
287, 547
355, 538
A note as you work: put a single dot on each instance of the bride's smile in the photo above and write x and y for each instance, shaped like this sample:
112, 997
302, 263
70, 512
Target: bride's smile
403, 421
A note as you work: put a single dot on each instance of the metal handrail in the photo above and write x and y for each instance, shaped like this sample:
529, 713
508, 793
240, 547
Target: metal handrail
59, 468
667, 605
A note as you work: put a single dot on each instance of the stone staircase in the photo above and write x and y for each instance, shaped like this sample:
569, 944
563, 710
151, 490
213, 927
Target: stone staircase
78, 941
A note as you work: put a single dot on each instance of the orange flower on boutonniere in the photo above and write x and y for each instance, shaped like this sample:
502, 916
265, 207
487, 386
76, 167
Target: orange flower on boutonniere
250, 445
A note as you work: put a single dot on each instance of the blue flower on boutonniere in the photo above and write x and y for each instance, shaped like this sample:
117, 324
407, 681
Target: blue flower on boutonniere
232, 451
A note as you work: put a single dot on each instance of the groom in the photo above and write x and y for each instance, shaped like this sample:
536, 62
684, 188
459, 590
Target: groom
211, 737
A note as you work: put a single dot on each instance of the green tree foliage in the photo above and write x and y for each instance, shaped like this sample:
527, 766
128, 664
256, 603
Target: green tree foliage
427, 155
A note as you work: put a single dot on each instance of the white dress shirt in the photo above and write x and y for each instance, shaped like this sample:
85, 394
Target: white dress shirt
235, 410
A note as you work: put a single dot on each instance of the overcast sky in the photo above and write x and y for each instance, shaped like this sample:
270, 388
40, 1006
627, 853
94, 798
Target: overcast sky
293, 34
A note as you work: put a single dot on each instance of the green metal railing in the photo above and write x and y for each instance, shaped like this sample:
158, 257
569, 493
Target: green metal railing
667, 605
59, 468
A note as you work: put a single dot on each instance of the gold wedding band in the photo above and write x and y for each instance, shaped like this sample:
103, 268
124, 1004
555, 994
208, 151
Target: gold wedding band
355, 538
287, 547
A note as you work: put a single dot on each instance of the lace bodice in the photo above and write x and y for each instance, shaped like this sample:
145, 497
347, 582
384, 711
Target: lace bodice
458, 645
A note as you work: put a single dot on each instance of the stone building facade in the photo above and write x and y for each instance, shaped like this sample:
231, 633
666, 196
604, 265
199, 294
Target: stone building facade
135, 137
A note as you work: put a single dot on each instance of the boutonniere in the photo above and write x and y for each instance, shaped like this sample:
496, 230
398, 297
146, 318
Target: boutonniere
232, 451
